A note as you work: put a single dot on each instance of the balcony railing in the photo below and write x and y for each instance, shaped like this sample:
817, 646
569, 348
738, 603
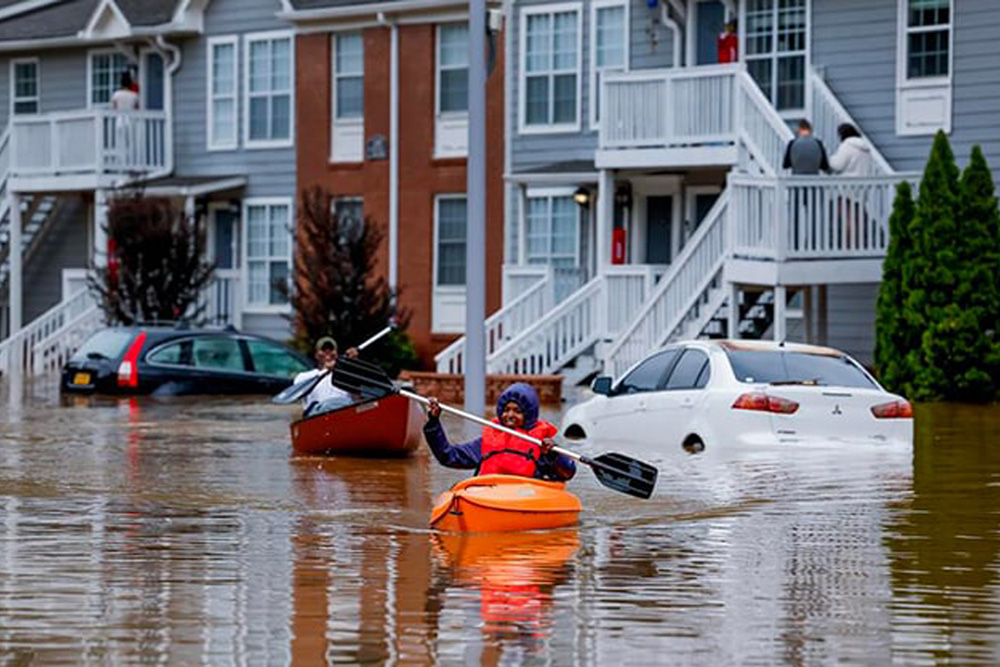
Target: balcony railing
90, 142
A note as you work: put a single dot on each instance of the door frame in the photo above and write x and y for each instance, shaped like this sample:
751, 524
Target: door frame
691, 28
142, 74
691, 193
653, 186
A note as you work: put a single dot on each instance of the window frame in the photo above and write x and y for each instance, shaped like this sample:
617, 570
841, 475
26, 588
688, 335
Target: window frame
438, 68
248, 203
351, 129
91, 54
548, 128
790, 113
339, 200
550, 194
597, 5
619, 387
245, 96
451, 128
706, 360
37, 99
212, 144
928, 87
438, 198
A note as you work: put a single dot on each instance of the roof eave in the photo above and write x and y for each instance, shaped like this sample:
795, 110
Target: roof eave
306, 15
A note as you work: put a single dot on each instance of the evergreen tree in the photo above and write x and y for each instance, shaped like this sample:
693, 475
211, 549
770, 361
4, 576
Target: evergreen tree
894, 334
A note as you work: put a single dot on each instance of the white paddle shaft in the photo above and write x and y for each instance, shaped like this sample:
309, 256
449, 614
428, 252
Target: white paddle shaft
488, 423
375, 337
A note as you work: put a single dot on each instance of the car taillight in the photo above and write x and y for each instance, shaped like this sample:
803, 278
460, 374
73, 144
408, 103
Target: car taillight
893, 410
763, 403
128, 370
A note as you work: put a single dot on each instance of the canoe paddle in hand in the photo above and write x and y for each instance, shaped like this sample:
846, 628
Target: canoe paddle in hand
296, 391
616, 471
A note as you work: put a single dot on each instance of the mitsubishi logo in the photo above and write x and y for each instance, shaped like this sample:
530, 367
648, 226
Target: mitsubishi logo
837, 410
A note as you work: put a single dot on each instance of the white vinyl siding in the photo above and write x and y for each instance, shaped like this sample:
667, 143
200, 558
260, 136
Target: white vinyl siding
104, 73
609, 48
268, 251
269, 102
776, 52
551, 64
348, 90
924, 66
223, 93
24, 86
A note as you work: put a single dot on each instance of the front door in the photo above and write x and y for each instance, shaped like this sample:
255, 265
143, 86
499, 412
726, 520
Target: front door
151, 86
659, 229
222, 305
710, 17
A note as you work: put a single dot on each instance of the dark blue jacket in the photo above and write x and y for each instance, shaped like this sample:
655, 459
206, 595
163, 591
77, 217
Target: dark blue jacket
469, 455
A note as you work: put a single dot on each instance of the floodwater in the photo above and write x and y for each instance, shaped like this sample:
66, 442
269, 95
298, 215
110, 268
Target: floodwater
181, 531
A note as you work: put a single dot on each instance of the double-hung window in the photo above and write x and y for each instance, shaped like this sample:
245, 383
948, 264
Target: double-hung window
450, 223
924, 66
268, 250
552, 236
347, 137
350, 212
452, 106
24, 86
550, 72
106, 69
269, 86
223, 63
609, 47
776, 47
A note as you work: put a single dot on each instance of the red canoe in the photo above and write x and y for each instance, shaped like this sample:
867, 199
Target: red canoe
389, 426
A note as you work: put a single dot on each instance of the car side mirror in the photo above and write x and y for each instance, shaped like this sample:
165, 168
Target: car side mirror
602, 385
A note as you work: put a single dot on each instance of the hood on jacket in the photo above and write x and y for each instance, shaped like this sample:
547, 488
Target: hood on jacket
526, 398
857, 143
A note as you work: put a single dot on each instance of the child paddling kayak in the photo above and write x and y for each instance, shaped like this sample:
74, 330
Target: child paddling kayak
496, 452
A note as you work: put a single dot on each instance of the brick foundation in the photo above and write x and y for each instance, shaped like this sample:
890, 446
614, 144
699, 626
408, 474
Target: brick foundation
450, 388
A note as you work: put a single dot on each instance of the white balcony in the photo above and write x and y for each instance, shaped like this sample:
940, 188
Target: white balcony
87, 149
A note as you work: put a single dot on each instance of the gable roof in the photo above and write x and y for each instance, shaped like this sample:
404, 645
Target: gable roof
60, 19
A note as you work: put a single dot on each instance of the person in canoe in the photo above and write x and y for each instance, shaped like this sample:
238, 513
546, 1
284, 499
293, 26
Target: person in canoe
325, 396
496, 452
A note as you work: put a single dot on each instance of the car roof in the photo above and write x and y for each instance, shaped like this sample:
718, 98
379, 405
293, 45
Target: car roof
761, 346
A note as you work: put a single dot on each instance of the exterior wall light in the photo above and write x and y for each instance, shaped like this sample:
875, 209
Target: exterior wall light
582, 197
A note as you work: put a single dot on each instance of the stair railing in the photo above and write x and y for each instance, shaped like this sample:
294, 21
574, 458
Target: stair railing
17, 353
828, 113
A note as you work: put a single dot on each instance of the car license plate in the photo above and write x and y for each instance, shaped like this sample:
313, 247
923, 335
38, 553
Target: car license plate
81, 378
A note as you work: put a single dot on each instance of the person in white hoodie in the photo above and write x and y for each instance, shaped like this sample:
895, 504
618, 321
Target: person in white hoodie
854, 156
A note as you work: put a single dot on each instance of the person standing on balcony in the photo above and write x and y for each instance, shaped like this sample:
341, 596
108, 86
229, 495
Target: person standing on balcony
854, 156
805, 154
728, 44
126, 98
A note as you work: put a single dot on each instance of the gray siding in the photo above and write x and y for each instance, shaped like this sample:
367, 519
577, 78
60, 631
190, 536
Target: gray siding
62, 78
854, 45
64, 246
851, 319
651, 46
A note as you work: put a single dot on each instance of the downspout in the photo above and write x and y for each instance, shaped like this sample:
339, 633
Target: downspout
675, 29
393, 150
176, 59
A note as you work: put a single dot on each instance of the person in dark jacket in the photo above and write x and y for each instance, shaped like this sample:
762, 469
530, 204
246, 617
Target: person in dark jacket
805, 153
496, 452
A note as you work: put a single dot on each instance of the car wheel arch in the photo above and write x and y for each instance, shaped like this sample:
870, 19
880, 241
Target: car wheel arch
693, 444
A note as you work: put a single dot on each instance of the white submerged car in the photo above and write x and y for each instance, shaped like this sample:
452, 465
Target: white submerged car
722, 394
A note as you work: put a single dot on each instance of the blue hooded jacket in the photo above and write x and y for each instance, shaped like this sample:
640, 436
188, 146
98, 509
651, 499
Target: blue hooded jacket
470, 454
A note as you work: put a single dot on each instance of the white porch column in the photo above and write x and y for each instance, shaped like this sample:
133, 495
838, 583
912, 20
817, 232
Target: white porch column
100, 228
16, 263
780, 317
522, 224
733, 325
605, 218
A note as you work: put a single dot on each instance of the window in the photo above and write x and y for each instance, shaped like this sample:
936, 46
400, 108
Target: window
550, 78
691, 371
222, 91
928, 38
349, 76
450, 245
453, 68
24, 86
269, 101
552, 232
221, 354
766, 366
105, 72
348, 104
608, 53
271, 359
268, 251
647, 375
776, 33
350, 212
175, 354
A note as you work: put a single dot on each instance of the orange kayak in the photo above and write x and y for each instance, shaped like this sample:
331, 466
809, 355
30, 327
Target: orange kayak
504, 503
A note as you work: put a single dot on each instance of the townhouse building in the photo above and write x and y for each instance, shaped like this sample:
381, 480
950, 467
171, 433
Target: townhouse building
382, 113
646, 199
215, 133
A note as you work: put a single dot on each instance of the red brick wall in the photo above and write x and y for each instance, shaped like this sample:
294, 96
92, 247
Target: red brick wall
420, 175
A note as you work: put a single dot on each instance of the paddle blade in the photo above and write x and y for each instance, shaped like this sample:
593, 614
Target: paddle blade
298, 390
362, 377
624, 474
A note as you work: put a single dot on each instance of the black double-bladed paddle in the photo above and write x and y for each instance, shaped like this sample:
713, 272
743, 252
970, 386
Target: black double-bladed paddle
300, 389
615, 471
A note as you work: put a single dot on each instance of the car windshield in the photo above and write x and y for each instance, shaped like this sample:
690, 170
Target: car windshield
108, 344
788, 367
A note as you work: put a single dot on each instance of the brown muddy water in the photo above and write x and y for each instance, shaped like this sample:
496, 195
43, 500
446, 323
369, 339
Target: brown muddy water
181, 531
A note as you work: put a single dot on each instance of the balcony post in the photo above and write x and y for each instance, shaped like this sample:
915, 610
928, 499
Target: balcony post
733, 322
16, 263
605, 218
780, 316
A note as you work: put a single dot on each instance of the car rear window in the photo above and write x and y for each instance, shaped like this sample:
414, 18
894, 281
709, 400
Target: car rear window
271, 359
107, 344
776, 366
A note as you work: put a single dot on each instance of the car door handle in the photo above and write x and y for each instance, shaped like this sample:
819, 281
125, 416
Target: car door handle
687, 403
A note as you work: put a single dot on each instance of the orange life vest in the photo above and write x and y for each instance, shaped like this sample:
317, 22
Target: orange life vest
504, 454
